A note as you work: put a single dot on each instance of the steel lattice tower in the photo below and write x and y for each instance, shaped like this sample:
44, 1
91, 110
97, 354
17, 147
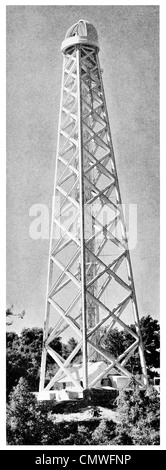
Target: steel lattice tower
90, 283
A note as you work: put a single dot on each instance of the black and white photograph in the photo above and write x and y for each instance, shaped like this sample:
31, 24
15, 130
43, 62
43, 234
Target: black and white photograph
83, 227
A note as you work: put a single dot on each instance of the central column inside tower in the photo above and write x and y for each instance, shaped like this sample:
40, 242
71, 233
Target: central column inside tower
88, 267
83, 37
92, 310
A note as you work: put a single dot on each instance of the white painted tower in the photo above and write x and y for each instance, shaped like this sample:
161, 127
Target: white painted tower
90, 287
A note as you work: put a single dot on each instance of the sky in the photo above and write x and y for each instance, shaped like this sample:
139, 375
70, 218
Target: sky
129, 57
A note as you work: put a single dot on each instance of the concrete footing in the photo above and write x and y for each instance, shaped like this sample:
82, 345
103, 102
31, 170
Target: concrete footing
58, 395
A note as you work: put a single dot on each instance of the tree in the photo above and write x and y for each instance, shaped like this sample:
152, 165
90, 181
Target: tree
56, 344
31, 339
10, 315
12, 339
27, 420
81, 436
72, 343
150, 331
24, 357
139, 420
16, 366
114, 342
31, 423
104, 432
69, 347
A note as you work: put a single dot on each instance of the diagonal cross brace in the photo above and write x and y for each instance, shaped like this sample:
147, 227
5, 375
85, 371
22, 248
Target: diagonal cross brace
65, 370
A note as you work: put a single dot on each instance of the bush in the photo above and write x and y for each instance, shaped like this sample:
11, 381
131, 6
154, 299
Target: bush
139, 417
27, 420
104, 432
81, 436
33, 423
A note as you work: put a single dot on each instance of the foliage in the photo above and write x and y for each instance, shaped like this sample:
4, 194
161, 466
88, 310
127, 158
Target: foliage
24, 357
114, 342
104, 433
69, 347
12, 339
24, 352
32, 423
150, 330
16, 366
10, 315
139, 417
27, 421
81, 436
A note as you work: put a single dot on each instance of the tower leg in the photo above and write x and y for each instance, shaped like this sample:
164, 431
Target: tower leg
44, 350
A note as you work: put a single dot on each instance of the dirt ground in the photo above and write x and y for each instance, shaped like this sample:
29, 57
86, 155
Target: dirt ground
88, 414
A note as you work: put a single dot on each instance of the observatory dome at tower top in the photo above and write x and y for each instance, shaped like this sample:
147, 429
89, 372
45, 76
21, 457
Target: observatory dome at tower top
81, 32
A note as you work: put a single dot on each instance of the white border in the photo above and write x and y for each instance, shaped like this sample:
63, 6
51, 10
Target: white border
3, 224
